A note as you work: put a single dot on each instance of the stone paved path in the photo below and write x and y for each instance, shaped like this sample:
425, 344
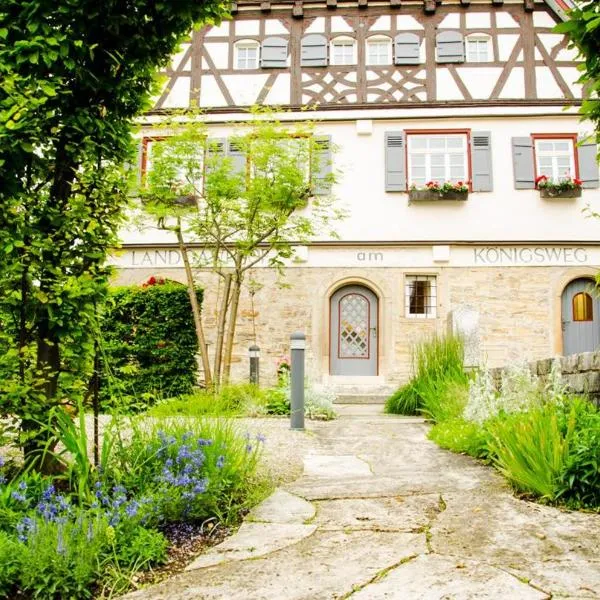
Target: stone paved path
381, 512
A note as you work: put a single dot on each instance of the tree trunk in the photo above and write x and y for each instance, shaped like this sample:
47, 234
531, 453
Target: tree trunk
39, 441
222, 318
235, 302
195, 307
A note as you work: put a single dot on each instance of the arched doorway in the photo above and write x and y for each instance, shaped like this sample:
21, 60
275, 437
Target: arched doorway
580, 308
353, 325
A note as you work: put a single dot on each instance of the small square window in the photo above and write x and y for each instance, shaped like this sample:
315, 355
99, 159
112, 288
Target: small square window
420, 294
379, 52
342, 52
247, 56
478, 49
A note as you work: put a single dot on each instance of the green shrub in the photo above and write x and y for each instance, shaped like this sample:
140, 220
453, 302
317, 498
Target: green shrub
531, 449
437, 363
579, 483
9, 565
149, 345
463, 437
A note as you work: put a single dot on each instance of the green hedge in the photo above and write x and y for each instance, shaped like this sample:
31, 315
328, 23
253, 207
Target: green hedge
149, 344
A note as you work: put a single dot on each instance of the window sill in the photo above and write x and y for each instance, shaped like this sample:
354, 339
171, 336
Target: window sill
549, 194
434, 196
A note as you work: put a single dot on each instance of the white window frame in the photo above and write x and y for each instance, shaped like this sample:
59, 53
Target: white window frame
246, 45
379, 39
428, 152
473, 56
430, 305
342, 40
556, 173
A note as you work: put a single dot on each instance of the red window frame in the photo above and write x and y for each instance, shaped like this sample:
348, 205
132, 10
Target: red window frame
555, 136
144, 159
467, 132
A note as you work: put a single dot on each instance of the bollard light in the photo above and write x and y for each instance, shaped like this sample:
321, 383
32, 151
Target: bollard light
254, 356
297, 347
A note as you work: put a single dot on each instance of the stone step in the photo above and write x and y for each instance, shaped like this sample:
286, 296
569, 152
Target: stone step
344, 398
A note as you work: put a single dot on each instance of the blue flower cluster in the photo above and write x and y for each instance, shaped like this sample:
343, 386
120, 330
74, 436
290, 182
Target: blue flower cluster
116, 506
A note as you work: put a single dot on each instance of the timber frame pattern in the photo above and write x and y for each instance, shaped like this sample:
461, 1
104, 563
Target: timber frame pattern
366, 86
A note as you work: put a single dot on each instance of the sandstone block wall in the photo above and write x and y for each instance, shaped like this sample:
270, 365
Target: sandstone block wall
517, 308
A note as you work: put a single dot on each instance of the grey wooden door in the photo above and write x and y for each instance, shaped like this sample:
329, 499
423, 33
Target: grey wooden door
353, 331
580, 317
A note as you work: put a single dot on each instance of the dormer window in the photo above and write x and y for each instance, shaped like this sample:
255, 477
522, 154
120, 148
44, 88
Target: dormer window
379, 50
479, 48
246, 54
343, 51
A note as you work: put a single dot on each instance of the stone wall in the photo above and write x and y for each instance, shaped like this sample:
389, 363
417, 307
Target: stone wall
580, 372
517, 313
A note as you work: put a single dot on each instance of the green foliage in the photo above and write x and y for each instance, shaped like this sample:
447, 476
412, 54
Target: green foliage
231, 400
582, 28
74, 76
463, 437
149, 346
9, 565
437, 363
531, 449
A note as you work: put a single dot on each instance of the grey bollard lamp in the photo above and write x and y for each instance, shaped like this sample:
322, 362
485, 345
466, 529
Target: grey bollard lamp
297, 348
254, 355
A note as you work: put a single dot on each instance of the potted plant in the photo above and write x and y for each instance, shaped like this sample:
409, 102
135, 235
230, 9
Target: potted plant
433, 190
563, 188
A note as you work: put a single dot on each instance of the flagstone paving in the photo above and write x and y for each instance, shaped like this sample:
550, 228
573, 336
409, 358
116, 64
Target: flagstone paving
380, 512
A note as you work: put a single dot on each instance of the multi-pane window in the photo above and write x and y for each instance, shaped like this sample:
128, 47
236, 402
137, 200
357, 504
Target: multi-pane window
343, 51
441, 158
246, 55
478, 49
555, 158
379, 51
420, 296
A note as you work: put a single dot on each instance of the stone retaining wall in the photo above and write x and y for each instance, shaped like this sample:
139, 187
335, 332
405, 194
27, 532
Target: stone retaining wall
580, 372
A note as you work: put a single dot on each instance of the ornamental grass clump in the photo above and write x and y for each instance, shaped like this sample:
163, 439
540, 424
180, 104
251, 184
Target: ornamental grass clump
437, 366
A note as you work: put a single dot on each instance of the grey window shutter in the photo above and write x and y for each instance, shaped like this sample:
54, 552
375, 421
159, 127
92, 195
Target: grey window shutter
321, 185
407, 49
237, 157
481, 161
524, 170
395, 168
274, 53
450, 47
314, 51
587, 154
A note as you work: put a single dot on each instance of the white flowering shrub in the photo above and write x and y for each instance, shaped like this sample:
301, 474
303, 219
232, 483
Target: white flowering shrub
520, 391
318, 402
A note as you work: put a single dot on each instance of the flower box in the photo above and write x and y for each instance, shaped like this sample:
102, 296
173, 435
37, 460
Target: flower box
554, 193
435, 195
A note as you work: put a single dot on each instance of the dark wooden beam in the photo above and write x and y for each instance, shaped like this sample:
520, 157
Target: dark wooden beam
529, 5
429, 6
297, 10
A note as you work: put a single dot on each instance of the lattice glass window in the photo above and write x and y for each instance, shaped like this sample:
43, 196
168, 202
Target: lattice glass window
438, 158
354, 326
343, 51
379, 51
479, 49
555, 158
420, 296
246, 55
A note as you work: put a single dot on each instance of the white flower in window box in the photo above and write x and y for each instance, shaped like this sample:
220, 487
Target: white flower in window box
563, 188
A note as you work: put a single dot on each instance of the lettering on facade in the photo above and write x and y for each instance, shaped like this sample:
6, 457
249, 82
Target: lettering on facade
369, 256
498, 255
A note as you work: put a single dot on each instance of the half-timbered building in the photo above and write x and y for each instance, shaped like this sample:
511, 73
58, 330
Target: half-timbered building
409, 91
